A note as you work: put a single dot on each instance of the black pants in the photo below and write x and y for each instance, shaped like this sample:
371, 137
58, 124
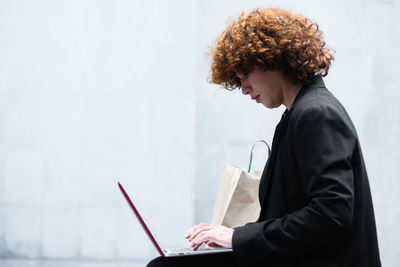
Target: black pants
210, 260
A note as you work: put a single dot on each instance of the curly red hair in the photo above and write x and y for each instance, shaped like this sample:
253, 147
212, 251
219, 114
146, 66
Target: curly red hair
270, 38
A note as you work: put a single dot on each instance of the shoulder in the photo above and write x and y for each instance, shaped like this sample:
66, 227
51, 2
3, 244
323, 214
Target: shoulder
316, 106
316, 100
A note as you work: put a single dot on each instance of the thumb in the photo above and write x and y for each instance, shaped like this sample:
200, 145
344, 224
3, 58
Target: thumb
212, 244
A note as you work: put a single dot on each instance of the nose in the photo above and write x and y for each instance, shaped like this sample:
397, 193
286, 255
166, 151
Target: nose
246, 89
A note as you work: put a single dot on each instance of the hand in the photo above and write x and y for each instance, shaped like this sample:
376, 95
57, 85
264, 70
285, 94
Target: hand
213, 235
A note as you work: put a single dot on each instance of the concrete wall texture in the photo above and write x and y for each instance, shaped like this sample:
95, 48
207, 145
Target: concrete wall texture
95, 92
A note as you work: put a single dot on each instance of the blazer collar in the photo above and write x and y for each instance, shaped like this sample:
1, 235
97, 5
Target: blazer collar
315, 83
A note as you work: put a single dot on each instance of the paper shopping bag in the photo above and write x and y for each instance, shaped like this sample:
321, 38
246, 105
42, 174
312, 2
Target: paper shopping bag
237, 198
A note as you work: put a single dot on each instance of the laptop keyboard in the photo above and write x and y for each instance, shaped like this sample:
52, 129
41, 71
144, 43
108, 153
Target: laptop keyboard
178, 250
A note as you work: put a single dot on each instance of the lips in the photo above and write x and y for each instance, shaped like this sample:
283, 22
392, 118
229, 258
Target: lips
256, 98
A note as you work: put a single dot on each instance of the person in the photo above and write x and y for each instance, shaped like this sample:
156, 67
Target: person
316, 205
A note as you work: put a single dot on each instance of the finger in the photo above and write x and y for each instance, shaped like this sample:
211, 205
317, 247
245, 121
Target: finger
193, 229
188, 233
199, 230
217, 236
196, 244
212, 244
201, 238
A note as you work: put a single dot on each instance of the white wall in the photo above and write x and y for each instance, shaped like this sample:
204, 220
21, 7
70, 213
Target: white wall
92, 92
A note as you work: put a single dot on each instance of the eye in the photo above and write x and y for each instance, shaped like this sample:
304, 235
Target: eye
241, 76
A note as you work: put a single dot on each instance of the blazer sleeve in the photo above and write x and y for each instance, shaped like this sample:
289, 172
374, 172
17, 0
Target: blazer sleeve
323, 146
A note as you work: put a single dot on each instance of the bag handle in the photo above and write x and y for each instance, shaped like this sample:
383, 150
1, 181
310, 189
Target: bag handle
251, 153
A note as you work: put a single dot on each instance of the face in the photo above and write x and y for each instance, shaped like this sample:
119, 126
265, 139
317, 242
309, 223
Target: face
264, 87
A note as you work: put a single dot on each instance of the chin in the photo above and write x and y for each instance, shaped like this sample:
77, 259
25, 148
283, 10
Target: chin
269, 105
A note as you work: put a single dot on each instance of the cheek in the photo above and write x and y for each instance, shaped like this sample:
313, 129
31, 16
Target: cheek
272, 94
269, 100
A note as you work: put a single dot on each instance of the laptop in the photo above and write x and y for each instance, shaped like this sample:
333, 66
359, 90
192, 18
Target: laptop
204, 249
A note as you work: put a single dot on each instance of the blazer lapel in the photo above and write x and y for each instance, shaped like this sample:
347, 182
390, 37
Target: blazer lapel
269, 167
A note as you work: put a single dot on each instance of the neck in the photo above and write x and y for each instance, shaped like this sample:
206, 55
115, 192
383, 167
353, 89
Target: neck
289, 94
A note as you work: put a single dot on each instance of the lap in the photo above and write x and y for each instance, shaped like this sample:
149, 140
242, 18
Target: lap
210, 260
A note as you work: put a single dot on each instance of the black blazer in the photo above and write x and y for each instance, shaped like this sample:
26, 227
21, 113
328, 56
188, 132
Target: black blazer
316, 207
